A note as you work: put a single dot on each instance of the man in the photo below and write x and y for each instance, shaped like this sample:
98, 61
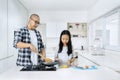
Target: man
29, 43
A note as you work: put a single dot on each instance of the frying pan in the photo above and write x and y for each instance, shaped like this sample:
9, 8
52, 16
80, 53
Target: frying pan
47, 63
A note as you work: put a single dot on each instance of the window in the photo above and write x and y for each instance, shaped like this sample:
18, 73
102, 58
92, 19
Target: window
97, 32
113, 30
107, 29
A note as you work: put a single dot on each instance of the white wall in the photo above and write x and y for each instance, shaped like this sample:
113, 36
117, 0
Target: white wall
56, 21
16, 18
61, 16
3, 28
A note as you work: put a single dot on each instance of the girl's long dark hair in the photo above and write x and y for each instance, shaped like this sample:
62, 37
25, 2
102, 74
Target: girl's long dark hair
69, 44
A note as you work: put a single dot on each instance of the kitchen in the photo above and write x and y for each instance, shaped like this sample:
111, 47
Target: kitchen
98, 45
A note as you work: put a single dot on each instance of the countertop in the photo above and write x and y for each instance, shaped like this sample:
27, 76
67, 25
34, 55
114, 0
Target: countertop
101, 73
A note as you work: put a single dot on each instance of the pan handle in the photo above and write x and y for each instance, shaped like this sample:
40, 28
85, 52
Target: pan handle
41, 56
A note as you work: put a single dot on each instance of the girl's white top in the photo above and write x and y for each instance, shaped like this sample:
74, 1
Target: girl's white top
63, 56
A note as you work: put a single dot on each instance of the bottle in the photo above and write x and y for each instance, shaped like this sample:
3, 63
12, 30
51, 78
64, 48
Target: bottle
82, 47
76, 59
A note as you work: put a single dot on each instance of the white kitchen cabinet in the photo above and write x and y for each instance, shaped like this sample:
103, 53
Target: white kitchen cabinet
51, 30
60, 27
3, 29
54, 29
52, 37
112, 60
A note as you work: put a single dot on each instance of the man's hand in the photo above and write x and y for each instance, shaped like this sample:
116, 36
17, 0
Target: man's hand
33, 48
42, 57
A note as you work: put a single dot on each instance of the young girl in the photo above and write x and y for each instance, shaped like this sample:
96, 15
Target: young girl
64, 54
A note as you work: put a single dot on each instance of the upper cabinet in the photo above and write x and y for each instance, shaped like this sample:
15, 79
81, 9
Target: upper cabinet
55, 29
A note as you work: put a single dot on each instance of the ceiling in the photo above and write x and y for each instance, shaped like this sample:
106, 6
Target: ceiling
61, 5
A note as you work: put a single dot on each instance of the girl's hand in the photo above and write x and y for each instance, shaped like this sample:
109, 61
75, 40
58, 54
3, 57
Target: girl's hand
57, 60
68, 64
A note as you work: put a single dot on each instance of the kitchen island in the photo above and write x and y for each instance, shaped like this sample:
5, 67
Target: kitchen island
101, 73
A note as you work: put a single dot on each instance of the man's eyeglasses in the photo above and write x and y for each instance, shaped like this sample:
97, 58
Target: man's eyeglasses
36, 22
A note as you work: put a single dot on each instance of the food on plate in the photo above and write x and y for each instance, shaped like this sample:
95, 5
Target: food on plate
64, 66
